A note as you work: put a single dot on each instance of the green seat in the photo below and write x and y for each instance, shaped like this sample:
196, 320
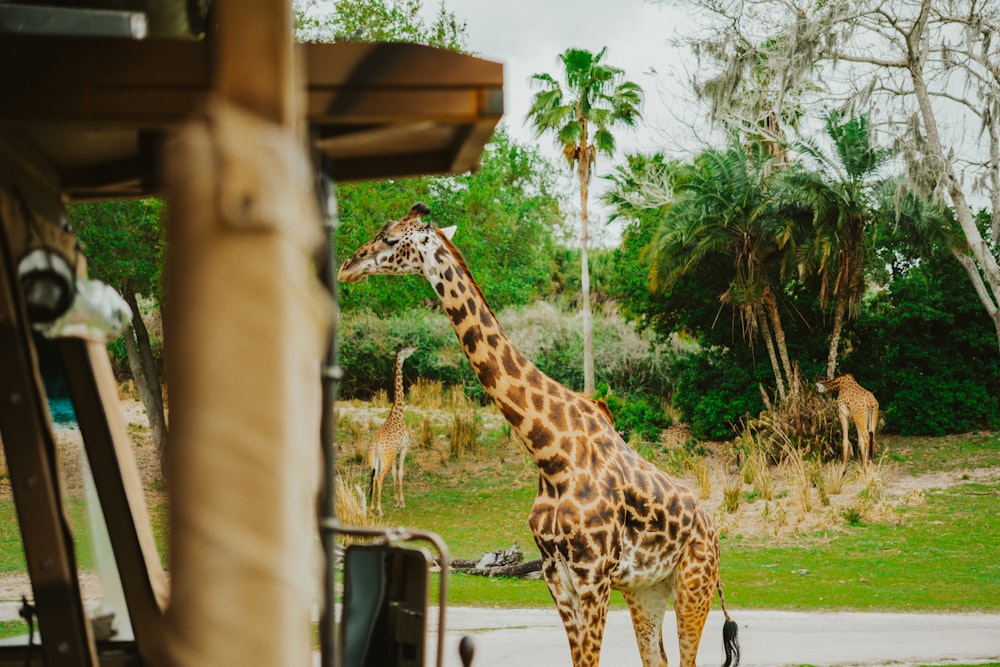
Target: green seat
384, 617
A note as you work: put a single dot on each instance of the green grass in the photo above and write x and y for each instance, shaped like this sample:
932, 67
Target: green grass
11, 551
940, 557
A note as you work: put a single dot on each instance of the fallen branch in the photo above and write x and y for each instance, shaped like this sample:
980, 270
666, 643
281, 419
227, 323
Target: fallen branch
500, 563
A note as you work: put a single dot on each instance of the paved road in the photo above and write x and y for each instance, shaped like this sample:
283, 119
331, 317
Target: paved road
535, 638
530, 637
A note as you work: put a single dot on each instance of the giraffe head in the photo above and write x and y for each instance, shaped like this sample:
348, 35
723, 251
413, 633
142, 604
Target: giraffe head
403, 353
400, 248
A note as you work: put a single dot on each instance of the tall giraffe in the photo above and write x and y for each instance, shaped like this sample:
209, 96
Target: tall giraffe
604, 518
391, 442
857, 403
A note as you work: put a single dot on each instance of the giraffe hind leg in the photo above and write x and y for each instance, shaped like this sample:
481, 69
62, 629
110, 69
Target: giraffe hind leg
697, 581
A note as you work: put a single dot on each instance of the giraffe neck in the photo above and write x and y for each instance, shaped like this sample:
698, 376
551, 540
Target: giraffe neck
523, 393
398, 395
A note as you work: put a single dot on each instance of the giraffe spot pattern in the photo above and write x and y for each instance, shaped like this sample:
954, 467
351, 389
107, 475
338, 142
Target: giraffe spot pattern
511, 364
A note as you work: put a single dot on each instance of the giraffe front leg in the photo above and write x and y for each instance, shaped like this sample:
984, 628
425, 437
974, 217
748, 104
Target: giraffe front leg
647, 607
845, 426
582, 606
377, 489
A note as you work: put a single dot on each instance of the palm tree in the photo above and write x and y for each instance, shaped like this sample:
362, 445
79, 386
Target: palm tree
723, 208
840, 198
580, 111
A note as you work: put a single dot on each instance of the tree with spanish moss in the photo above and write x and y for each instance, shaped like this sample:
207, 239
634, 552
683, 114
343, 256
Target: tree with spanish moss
925, 72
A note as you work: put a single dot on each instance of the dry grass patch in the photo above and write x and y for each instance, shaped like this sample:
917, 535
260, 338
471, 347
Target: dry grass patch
426, 394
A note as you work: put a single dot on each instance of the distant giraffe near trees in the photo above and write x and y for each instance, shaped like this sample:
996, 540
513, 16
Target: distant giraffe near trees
390, 444
857, 403
604, 518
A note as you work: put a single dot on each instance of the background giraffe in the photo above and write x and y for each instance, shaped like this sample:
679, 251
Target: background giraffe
604, 518
857, 403
391, 442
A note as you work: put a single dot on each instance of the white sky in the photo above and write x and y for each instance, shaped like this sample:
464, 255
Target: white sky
528, 35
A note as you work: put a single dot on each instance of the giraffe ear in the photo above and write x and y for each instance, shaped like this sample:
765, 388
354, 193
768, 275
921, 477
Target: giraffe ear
448, 231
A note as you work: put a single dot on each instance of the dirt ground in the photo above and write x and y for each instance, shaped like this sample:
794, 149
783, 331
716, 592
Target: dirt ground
777, 518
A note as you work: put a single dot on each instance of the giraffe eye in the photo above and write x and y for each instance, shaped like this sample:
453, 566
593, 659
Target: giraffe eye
391, 242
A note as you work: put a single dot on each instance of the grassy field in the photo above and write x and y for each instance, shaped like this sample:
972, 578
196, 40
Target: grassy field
941, 557
935, 553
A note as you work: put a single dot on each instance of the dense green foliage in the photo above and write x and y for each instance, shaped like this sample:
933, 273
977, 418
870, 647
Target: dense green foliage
377, 21
123, 242
706, 261
930, 353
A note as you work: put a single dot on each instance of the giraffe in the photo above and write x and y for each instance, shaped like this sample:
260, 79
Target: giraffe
390, 444
859, 404
603, 518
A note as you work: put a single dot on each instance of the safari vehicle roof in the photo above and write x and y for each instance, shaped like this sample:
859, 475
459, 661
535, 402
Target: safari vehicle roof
98, 107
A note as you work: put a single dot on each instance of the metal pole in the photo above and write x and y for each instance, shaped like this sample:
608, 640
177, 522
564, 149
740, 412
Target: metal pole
329, 657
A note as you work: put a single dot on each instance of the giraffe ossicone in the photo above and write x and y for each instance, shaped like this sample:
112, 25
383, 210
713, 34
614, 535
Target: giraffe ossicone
604, 518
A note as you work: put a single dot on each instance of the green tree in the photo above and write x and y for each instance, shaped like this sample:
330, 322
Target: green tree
123, 243
630, 203
581, 109
377, 21
924, 71
723, 212
840, 197
931, 360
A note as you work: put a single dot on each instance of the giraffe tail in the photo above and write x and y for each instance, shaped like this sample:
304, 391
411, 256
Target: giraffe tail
371, 488
730, 642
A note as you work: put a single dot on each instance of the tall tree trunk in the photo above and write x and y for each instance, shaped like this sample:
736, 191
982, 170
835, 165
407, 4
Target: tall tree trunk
147, 377
985, 274
589, 386
838, 325
765, 332
779, 335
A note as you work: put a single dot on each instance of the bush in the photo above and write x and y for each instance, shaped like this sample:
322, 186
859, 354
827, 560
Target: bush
545, 335
635, 416
715, 392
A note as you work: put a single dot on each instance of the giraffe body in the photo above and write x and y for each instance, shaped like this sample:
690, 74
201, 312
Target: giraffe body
603, 518
388, 448
856, 403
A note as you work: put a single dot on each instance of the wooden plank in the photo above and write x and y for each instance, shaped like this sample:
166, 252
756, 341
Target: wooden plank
29, 446
116, 476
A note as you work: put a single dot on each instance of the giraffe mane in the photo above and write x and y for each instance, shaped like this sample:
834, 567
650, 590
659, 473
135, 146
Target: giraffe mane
602, 406
460, 259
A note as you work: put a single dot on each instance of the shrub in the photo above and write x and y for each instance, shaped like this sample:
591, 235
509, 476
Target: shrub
550, 338
715, 391
634, 416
